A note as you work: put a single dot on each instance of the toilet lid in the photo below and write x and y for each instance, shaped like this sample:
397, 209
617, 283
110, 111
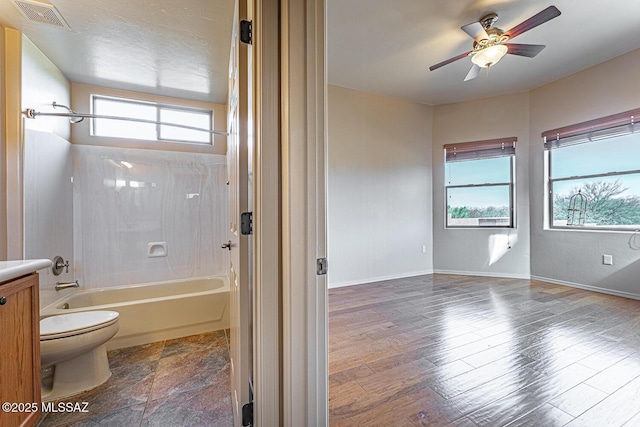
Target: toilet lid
76, 323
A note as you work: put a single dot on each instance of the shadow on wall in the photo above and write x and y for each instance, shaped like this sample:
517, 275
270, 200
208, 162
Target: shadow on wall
626, 279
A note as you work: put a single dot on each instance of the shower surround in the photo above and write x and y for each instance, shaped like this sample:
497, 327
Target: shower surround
125, 199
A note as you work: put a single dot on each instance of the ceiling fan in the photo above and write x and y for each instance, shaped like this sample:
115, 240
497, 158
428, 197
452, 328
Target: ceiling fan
490, 43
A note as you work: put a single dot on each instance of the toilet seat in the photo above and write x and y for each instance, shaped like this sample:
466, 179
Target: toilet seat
66, 325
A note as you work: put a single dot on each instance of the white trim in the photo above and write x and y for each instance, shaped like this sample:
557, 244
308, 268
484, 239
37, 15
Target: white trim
379, 279
588, 287
483, 274
267, 337
304, 325
239, 151
318, 318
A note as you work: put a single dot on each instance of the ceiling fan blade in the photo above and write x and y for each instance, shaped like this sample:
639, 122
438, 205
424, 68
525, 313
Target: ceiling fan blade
473, 73
449, 61
475, 30
538, 19
528, 50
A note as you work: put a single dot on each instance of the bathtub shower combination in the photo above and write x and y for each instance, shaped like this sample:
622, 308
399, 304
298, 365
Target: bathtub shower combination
154, 312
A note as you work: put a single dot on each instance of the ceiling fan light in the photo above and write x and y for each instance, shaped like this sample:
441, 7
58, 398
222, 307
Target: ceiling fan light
489, 56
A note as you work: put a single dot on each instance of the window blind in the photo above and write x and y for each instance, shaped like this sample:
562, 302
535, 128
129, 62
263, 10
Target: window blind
605, 127
475, 150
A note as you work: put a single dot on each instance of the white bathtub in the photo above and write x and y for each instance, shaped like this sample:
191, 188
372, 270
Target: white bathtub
153, 312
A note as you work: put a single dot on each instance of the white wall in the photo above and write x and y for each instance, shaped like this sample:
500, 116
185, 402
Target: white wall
104, 232
48, 201
379, 187
576, 256
172, 197
42, 84
374, 148
482, 251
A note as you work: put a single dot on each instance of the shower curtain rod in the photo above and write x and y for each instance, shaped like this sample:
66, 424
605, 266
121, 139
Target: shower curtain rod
30, 113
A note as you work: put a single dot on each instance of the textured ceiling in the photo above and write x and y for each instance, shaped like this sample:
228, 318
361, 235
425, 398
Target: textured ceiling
181, 48
386, 47
164, 47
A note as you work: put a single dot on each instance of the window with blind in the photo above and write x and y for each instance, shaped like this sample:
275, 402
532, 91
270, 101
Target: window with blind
594, 173
479, 183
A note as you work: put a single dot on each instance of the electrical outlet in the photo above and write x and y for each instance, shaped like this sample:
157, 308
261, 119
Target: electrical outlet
424, 249
607, 259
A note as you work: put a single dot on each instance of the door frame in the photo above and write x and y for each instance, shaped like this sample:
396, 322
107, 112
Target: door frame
290, 311
267, 337
11, 146
304, 213
239, 157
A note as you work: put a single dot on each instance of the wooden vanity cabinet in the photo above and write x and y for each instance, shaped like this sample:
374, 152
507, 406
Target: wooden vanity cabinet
20, 350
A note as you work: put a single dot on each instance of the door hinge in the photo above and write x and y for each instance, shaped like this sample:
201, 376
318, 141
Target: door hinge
246, 31
246, 223
247, 414
321, 266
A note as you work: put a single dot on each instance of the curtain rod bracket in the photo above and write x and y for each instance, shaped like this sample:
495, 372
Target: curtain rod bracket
76, 118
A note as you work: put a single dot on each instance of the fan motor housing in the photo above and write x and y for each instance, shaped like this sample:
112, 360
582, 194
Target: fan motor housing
487, 21
496, 36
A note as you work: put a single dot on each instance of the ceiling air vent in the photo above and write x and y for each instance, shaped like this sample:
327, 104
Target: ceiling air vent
44, 13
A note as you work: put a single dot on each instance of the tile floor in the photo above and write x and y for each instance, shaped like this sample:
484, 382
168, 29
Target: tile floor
179, 383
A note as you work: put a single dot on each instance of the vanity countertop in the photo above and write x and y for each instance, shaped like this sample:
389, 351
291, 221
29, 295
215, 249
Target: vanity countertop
12, 269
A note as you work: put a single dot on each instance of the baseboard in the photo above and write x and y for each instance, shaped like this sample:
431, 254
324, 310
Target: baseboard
587, 287
379, 279
489, 274
483, 274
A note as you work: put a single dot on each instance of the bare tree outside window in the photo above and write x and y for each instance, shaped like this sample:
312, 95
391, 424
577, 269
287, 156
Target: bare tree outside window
607, 205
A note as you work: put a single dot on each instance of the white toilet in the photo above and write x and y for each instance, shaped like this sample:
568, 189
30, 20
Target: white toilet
73, 347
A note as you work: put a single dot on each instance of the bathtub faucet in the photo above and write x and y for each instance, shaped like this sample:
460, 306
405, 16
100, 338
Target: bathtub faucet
64, 285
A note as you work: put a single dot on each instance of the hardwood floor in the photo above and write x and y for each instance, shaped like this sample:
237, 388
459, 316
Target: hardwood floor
442, 350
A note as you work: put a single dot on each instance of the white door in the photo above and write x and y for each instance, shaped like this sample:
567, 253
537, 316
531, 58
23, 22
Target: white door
239, 166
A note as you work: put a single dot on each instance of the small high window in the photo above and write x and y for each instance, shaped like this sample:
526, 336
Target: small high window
154, 122
599, 163
479, 183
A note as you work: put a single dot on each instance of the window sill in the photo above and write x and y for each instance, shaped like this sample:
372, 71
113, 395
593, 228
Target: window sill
593, 230
496, 227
